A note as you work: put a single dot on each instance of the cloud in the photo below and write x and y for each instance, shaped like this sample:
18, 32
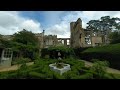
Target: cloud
59, 29
57, 22
11, 22
62, 29
31, 25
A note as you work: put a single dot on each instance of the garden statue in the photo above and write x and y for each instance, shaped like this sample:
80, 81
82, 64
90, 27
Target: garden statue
59, 56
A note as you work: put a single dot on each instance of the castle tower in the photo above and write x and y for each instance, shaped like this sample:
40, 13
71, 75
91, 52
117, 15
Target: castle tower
77, 38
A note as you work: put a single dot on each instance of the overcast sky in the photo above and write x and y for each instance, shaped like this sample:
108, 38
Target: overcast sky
53, 22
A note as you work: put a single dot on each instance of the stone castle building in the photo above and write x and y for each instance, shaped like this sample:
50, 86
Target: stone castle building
46, 41
79, 37
85, 38
50, 40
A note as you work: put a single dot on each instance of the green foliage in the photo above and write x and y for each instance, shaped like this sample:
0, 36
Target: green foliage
65, 51
68, 74
25, 37
44, 52
103, 24
25, 44
36, 75
57, 76
110, 53
99, 68
4, 43
23, 70
86, 76
114, 37
60, 48
21, 60
4, 75
41, 70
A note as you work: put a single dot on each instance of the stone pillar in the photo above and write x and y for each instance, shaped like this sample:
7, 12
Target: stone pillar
65, 42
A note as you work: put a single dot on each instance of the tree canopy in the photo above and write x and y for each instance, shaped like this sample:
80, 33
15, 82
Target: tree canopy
25, 37
103, 24
114, 37
25, 43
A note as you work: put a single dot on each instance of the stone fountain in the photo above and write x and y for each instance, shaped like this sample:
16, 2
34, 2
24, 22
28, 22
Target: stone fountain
59, 66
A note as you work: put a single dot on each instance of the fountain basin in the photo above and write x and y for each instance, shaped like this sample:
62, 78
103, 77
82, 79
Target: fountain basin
65, 68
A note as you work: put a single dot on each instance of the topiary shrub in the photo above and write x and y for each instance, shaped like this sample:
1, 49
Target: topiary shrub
67, 75
23, 71
4, 75
86, 76
36, 75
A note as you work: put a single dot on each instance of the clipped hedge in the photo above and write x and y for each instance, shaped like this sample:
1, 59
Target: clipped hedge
36, 75
110, 53
41, 70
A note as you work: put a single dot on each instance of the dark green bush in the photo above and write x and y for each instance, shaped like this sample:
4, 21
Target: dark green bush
77, 51
53, 52
44, 52
110, 53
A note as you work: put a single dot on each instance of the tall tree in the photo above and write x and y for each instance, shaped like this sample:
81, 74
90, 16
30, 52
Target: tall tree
25, 37
93, 25
25, 43
114, 37
103, 24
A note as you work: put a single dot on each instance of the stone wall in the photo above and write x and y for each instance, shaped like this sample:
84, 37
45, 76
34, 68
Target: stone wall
96, 41
40, 38
64, 40
50, 40
77, 34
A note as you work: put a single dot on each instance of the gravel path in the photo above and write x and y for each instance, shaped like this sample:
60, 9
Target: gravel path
14, 67
109, 70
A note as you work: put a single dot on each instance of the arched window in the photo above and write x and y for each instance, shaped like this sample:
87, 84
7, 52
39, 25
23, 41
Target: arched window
80, 35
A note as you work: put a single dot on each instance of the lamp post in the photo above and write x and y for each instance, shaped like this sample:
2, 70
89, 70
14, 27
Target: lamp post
43, 37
